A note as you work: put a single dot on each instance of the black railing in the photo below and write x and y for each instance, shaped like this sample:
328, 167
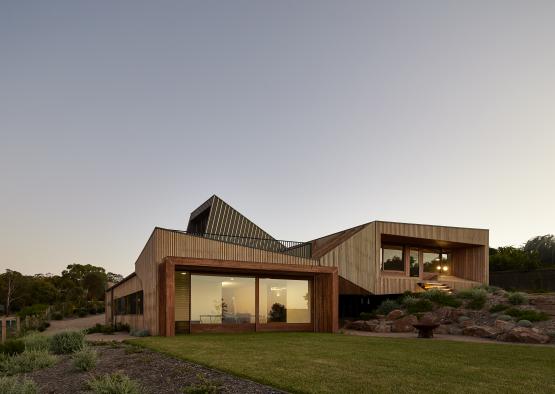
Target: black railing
292, 248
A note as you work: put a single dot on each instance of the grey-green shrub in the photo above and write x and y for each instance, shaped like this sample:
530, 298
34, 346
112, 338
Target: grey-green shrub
517, 298
417, 305
35, 341
13, 385
67, 342
441, 298
504, 317
115, 383
387, 306
85, 359
524, 323
476, 297
139, 333
29, 360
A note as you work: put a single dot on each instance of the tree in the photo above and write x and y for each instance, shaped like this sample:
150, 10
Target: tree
544, 245
114, 278
10, 284
510, 258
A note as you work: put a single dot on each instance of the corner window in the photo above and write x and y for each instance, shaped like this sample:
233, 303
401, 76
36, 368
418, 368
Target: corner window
392, 258
284, 301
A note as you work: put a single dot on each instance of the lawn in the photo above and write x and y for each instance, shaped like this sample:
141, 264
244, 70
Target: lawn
326, 363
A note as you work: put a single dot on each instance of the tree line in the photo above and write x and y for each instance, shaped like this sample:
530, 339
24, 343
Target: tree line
77, 287
538, 252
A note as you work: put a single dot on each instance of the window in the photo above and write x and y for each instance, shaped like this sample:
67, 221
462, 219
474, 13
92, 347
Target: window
284, 301
414, 263
222, 299
131, 304
392, 258
432, 261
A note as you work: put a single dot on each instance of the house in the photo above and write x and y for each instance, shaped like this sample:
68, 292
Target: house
224, 273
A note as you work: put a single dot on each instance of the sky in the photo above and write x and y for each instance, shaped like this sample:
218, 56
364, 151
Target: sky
308, 117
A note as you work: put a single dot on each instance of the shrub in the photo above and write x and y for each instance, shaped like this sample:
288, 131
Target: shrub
417, 305
33, 310
82, 312
113, 384
95, 329
85, 359
27, 361
67, 342
43, 326
141, 333
517, 298
476, 297
498, 308
13, 385
524, 323
12, 346
441, 298
57, 316
205, 386
504, 317
489, 289
34, 341
367, 315
121, 327
92, 311
387, 306
527, 314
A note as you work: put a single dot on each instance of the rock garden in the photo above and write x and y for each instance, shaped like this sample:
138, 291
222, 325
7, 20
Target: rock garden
484, 312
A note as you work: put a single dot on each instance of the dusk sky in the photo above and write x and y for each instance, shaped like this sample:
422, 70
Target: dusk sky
308, 117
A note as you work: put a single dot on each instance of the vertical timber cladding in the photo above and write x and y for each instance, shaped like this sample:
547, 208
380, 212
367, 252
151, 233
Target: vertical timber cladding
164, 243
355, 258
182, 302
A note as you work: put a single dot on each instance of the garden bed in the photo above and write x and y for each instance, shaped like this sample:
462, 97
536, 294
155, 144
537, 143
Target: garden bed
155, 372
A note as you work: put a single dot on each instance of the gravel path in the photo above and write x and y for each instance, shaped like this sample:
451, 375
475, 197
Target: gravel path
75, 324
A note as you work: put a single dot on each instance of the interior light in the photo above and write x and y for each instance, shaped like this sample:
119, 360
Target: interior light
183, 273
445, 268
438, 267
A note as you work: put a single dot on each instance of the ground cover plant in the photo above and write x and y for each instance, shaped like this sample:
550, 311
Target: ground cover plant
27, 361
527, 314
14, 385
85, 359
315, 363
115, 383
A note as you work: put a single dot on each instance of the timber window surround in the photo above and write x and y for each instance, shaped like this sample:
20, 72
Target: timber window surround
392, 258
130, 304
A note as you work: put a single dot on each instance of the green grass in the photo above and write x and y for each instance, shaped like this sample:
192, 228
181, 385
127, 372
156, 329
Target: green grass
326, 363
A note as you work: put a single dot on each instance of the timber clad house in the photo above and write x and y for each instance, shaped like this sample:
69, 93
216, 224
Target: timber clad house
226, 274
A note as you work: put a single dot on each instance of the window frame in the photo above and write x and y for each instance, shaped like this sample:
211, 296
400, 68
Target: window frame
403, 259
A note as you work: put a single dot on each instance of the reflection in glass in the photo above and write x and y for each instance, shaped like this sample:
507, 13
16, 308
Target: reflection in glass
392, 258
432, 262
414, 263
446, 263
222, 300
284, 301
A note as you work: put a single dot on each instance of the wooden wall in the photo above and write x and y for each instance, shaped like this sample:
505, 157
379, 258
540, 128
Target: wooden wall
129, 286
358, 257
163, 243
352, 258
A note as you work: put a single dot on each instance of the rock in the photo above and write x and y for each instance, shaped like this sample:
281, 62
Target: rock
462, 319
480, 331
524, 335
404, 324
524, 323
445, 314
504, 326
382, 326
428, 318
442, 329
395, 314
467, 323
454, 330
362, 325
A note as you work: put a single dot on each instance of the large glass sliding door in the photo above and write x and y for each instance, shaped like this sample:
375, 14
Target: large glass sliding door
284, 301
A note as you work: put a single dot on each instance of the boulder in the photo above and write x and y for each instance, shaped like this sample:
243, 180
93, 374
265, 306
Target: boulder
428, 318
503, 325
404, 324
362, 325
382, 326
524, 335
445, 314
442, 329
480, 331
395, 314
454, 330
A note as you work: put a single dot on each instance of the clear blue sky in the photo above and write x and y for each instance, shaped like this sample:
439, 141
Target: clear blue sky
309, 117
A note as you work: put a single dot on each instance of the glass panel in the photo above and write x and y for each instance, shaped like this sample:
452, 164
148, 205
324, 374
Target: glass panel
222, 300
284, 300
432, 262
414, 263
392, 258
446, 263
